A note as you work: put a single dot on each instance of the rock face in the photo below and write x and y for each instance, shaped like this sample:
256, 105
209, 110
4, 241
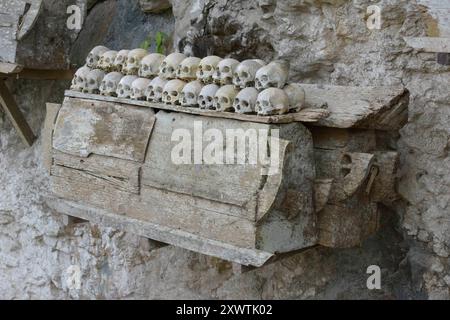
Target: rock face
326, 42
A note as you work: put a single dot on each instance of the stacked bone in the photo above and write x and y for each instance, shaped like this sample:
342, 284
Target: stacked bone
211, 83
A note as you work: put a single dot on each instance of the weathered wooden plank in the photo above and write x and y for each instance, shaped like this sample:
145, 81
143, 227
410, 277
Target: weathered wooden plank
96, 179
7, 69
381, 108
235, 184
347, 225
42, 74
47, 134
159, 207
32, 10
429, 44
15, 115
305, 115
87, 127
173, 236
154, 6
123, 174
322, 189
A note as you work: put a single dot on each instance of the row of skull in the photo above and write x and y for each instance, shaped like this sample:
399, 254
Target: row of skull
227, 98
211, 69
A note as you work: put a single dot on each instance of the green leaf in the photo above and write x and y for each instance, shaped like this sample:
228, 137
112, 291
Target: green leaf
160, 38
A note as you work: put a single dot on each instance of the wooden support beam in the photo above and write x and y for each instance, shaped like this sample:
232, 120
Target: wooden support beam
15, 115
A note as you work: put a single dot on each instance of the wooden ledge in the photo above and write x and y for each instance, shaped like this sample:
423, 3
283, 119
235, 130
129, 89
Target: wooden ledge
380, 108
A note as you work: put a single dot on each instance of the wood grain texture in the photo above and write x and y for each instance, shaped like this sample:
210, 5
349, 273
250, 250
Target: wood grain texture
306, 115
47, 133
381, 108
85, 127
175, 236
15, 115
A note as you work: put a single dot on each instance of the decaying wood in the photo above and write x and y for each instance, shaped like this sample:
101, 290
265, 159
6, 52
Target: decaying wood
15, 115
322, 189
306, 115
381, 108
154, 6
163, 234
384, 188
84, 127
47, 133
9, 68
429, 44
346, 225
28, 19
357, 171
118, 173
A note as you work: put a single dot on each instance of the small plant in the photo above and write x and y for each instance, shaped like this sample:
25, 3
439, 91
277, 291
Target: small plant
160, 39
146, 44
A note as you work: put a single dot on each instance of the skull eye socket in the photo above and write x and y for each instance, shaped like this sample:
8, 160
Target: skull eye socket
208, 68
190, 95
226, 69
210, 99
244, 74
91, 81
264, 78
174, 93
159, 90
110, 84
127, 88
131, 60
224, 100
245, 103
236, 101
170, 69
185, 69
145, 68
265, 103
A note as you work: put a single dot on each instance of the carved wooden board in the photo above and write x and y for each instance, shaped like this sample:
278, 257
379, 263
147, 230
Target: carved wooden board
87, 127
17, 17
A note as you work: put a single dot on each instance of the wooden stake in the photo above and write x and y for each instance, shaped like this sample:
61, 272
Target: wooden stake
15, 115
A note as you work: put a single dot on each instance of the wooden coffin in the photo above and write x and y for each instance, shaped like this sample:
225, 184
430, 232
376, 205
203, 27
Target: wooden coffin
113, 163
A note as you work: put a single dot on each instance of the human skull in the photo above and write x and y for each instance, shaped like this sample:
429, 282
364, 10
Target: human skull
224, 98
245, 73
134, 59
224, 71
93, 81
272, 101
187, 70
245, 101
296, 95
139, 88
94, 56
80, 78
121, 60
168, 68
110, 83
150, 65
273, 75
107, 59
172, 91
124, 88
207, 68
206, 97
190, 93
155, 89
